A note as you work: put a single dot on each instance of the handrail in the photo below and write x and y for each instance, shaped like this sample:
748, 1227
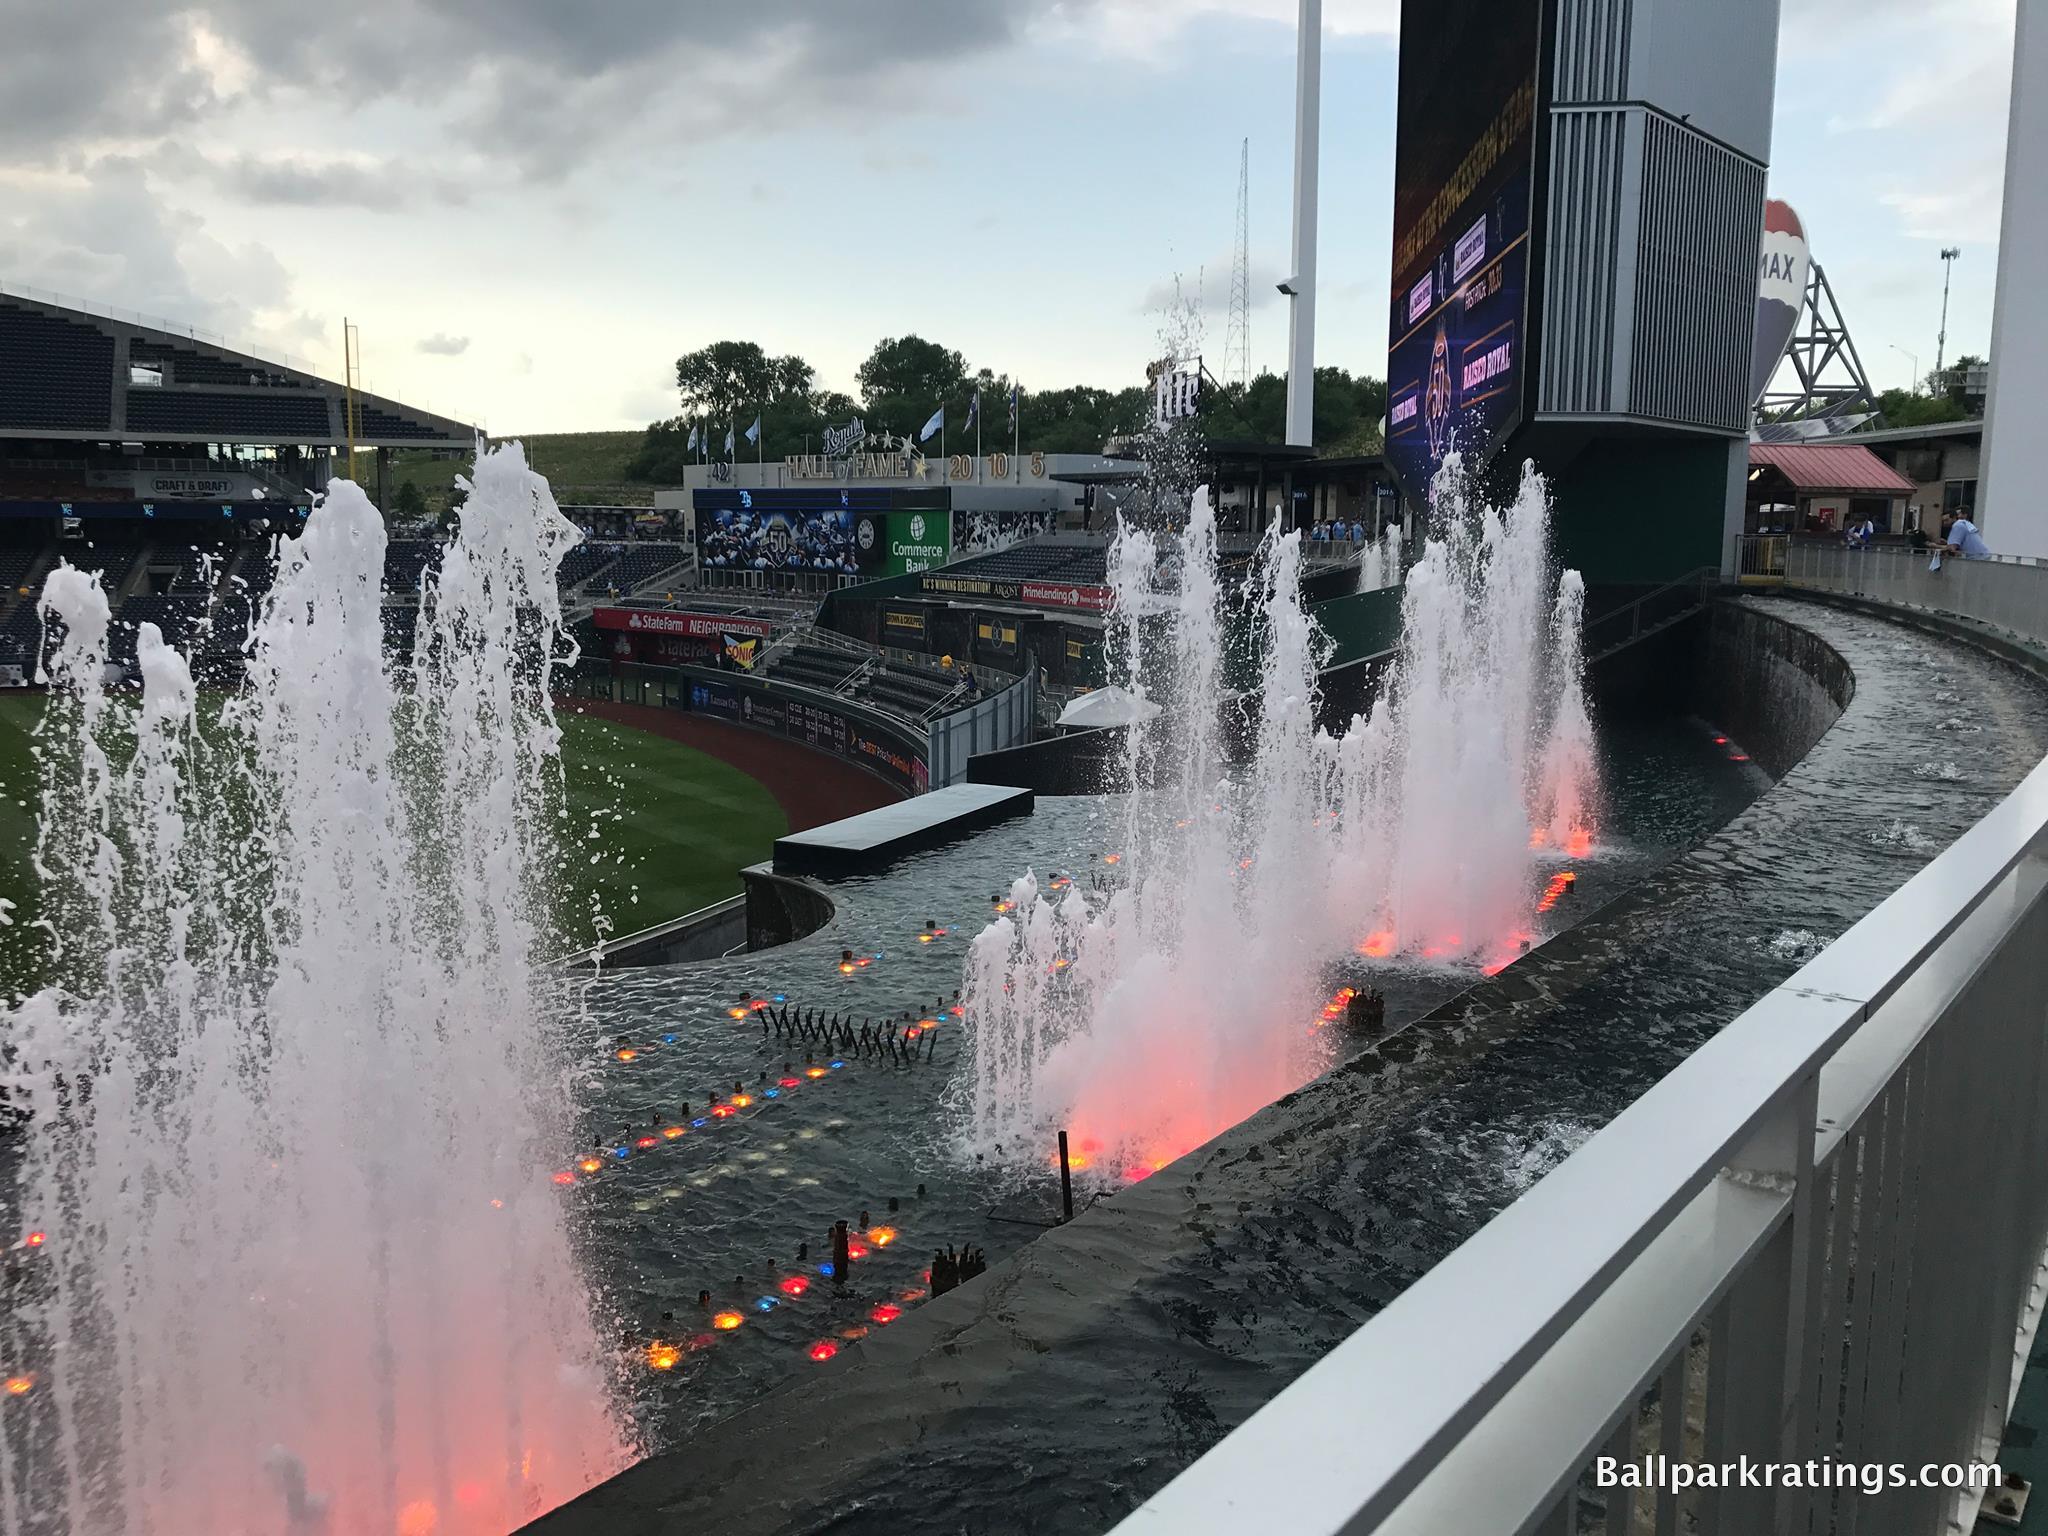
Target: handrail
1774, 1175
1696, 583
1718, 1158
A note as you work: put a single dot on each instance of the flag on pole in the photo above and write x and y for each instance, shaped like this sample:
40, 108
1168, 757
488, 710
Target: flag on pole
692, 444
754, 432
974, 409
936, 424
728, 442
1013, 406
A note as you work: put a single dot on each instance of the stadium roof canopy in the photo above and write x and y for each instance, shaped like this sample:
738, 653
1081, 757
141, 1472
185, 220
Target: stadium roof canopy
69, 374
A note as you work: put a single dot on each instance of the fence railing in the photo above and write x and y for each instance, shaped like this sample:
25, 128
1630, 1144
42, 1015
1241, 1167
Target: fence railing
2006, 593
1627, 624
1006, 719
1818, 1240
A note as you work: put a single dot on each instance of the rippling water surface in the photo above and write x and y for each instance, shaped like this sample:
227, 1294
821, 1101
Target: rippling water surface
1057, 1392
722, 1211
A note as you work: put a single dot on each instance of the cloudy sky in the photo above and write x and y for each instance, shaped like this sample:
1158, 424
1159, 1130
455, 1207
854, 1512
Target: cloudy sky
530, 207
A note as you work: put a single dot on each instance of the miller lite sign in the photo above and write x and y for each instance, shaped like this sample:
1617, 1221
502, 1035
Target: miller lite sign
1780, 291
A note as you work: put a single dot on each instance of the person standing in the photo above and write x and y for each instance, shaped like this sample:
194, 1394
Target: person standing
1962, 538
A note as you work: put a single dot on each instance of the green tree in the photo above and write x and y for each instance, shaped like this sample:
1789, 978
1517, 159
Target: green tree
1902, 408
408, 503
906, 378
728, 381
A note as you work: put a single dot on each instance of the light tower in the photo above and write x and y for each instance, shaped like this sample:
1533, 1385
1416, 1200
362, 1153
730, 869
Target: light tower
1237, 338
1949, 253
1301, 288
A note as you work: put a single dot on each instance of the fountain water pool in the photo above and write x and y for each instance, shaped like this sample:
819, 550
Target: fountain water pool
1410, 832
294, 1092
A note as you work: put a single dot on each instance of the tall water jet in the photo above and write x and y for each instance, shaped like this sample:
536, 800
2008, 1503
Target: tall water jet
294, 1094
1145, 1018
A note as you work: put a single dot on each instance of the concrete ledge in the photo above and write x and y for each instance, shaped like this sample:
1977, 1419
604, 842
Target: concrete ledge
2028, 655
861, 845
704, 934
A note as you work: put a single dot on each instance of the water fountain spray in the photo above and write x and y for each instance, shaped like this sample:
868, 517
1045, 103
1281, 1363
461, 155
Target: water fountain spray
294, 1089
1147, 1020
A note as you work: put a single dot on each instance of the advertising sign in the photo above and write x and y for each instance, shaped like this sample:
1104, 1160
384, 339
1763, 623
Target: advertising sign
1780, 293
902, 543
815, 724
1457, 358
1040, 594
662, 621
749, 538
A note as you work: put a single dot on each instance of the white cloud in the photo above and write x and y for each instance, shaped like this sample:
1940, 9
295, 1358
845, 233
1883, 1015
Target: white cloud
440, 344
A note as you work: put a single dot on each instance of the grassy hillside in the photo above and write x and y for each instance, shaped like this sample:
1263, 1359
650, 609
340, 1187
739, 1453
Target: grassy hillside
581, 466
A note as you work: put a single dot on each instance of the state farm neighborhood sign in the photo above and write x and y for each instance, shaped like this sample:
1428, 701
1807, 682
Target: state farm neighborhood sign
663, 621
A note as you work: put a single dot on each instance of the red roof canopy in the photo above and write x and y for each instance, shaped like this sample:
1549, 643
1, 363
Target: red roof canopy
1848, 467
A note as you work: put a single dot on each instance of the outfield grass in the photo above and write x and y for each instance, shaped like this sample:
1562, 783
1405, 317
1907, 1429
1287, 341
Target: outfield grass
19, 713
675, 827
687, 824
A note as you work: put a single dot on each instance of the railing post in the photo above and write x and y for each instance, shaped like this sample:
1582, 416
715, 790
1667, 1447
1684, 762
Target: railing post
1762, 1391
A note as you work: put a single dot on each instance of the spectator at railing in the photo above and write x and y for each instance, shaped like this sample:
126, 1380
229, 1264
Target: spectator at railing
1960, 537
1860, 533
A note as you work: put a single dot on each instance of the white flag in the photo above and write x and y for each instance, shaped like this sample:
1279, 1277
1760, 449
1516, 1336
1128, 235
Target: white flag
692, 444
937, 423
754, 432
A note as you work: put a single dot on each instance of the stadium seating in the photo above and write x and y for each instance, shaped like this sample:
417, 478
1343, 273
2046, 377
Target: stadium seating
21, 634
638, 563
372, 422
1079, 564
908, 692
176, 614
17, 565
113, 555
55, 374
183, 365
196, 414
405, 562
817, 666
582, 563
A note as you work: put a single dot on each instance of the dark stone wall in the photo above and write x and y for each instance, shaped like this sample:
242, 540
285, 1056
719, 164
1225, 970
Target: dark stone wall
1078, 763
781, 909
1774, 686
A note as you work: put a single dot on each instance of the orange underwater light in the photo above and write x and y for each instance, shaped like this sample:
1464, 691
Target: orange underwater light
725, 1322
663, 1357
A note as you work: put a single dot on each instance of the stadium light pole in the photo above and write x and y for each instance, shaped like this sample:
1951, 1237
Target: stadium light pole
1301, 288
1949, 253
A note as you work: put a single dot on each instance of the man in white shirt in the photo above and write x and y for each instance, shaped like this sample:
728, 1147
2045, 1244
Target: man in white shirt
1962, 538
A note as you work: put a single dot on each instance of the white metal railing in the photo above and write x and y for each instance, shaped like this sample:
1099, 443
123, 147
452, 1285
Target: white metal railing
1820, 1238
2007, 593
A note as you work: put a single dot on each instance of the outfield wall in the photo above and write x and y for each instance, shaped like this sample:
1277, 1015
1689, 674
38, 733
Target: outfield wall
892, 750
